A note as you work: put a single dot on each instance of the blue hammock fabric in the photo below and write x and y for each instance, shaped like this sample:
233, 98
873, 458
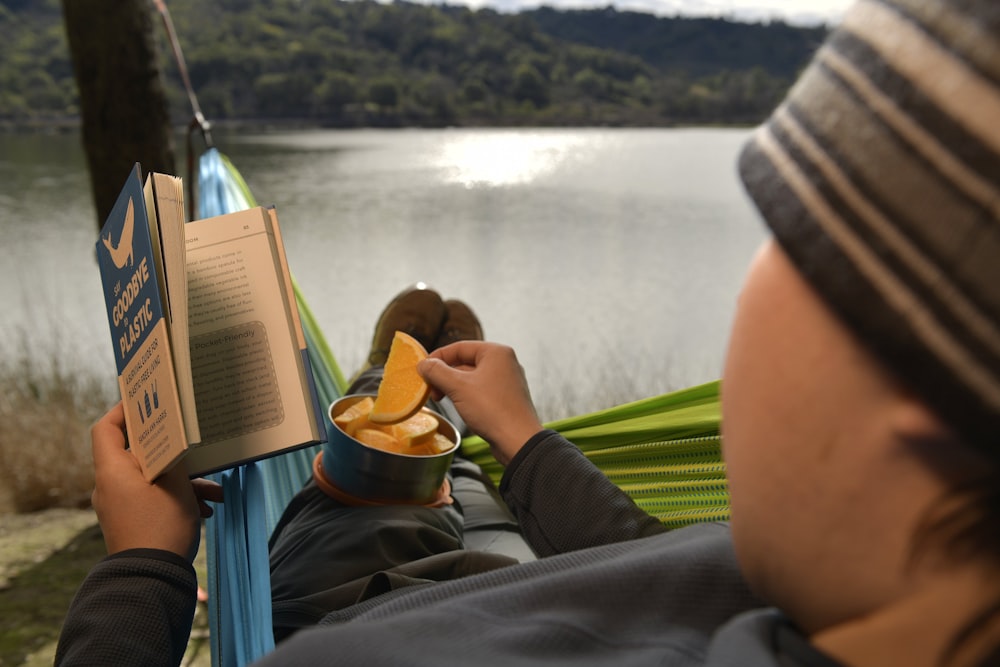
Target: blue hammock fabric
664, 451
239, 587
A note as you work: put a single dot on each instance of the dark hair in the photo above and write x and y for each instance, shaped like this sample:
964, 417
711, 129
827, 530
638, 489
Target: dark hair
967, 527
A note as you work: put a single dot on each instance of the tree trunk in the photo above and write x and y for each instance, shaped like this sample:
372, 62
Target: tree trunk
124, 113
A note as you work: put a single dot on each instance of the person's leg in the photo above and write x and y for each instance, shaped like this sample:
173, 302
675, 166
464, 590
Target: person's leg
487, 524
421, 313
416, 311
322, 551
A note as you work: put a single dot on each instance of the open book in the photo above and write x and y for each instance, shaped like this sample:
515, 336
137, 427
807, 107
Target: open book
211, 358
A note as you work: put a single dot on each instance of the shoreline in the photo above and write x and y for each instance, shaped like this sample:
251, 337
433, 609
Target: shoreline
71, 125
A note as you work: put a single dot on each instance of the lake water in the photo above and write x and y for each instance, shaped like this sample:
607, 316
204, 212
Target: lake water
609, 259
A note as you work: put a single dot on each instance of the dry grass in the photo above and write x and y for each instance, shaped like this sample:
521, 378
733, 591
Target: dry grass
46, 409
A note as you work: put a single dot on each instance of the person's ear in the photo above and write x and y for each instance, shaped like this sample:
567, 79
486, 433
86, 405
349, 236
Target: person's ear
912, 420
929, 437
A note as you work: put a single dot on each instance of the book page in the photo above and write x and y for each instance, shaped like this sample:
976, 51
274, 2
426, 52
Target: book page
296, 321
246, 361
165, 208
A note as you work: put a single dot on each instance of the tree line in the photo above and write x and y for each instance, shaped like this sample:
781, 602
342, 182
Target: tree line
364, 63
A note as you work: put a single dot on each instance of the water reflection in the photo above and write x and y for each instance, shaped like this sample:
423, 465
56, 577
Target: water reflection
609, 259
496, 160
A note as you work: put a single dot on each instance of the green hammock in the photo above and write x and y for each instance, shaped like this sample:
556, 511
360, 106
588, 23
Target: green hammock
663, 451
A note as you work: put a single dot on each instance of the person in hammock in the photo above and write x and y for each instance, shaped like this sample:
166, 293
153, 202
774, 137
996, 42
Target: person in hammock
860, 414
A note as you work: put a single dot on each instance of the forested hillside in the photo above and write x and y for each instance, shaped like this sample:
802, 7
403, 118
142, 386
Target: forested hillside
360, 62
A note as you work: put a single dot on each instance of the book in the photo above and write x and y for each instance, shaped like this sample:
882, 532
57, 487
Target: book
212, 361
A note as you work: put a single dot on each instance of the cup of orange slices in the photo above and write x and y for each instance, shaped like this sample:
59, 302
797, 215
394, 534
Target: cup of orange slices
389, 448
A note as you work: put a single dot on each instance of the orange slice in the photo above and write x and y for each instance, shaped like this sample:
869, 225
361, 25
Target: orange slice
440, 444
379, 440
402, 392
431, 446
416, 430
355, 417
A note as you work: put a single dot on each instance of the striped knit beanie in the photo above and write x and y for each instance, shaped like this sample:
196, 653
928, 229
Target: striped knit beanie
879, 175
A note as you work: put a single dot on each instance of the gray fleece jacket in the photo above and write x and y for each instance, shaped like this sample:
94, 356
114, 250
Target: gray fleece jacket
612, 587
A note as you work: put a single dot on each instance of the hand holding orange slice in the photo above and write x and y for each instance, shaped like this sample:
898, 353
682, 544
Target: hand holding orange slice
403, 391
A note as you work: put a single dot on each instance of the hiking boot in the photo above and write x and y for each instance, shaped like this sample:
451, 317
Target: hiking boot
418, 311
460, 324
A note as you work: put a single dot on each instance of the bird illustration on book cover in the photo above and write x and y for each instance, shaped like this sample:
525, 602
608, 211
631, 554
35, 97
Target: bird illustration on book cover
122, 252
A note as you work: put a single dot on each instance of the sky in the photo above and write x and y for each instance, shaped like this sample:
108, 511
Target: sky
798, 12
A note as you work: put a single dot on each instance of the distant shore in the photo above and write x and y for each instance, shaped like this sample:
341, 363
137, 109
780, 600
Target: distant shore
259, 125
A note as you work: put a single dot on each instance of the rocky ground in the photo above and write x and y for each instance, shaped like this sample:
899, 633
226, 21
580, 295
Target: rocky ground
43, 558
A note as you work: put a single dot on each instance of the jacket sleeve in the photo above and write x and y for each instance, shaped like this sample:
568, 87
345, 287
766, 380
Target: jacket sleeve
134, 608
564, 503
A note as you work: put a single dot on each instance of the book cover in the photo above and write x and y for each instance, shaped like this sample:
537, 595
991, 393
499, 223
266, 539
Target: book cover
132, 275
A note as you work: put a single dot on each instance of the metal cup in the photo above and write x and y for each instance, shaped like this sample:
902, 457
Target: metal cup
377, 475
